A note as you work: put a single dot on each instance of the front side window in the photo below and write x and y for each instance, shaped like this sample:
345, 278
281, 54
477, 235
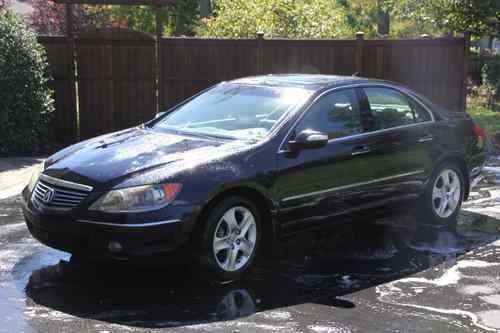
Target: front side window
390, 108
235, 111
336, 114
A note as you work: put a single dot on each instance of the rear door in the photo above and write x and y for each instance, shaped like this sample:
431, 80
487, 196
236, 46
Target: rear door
401, 138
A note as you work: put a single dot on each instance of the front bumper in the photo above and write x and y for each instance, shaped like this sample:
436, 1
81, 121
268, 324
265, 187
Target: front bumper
93, 238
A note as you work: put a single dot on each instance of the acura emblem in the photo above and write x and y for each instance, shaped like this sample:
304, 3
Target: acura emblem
48, 196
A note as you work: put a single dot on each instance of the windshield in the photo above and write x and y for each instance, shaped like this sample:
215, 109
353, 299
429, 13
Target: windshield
235, 111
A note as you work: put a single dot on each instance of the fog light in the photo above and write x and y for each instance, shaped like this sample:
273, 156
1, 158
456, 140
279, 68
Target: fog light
115, 247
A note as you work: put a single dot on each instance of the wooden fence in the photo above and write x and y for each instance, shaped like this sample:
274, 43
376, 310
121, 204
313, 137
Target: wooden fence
124, 77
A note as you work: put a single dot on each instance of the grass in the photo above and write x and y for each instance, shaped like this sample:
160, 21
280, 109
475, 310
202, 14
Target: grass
487, 118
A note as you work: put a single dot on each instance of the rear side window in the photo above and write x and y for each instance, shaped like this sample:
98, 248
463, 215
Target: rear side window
336, 114
390, 108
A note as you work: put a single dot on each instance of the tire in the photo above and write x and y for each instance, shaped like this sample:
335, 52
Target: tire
442, 199
238, 243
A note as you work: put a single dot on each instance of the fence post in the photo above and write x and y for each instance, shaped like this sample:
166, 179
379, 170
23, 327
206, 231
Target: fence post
159, 59
260, 52
70, 40
360, 36
463, 100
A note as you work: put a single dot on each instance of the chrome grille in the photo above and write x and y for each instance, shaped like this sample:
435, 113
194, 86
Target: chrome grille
56, 194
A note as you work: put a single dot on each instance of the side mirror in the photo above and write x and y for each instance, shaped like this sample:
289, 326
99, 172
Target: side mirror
308, 139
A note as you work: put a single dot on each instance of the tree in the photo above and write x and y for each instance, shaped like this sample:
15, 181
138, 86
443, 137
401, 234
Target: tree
477, 16
411, 18
179, 20
374, 18
27, 105
276, 18
450, 16
49, 18
4, 3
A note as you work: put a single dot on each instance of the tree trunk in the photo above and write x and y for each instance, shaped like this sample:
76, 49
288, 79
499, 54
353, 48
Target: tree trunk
205, 8
383, 22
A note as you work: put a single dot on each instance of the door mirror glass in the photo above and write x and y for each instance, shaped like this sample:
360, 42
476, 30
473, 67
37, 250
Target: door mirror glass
308, 139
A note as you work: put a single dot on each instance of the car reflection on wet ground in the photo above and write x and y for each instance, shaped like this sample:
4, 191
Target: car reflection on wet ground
391, 273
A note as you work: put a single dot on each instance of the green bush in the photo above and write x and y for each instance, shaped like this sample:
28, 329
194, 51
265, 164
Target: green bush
276, 18
26, 105
487, 118
492, 62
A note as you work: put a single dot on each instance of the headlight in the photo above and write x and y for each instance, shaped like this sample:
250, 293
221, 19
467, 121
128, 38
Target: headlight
137, 199
34, 177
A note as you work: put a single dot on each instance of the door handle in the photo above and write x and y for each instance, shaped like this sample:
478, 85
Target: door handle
360, 150
425, 139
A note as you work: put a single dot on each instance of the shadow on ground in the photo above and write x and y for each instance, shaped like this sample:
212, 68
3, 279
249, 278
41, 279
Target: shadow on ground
319, 267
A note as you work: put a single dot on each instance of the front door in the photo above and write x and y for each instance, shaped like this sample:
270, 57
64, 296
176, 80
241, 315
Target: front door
314, 184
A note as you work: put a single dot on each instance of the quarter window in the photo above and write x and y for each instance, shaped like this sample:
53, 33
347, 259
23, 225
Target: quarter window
390, 108
336, 114
421, 114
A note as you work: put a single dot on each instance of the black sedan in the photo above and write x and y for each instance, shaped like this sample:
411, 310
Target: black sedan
238, 166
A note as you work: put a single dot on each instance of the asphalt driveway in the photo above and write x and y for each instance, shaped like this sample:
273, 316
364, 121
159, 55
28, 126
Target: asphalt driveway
390, 273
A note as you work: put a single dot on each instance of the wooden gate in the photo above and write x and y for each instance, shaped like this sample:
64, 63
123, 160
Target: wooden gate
115, 80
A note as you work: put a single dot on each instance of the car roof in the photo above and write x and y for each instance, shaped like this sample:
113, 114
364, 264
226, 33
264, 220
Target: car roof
313, 82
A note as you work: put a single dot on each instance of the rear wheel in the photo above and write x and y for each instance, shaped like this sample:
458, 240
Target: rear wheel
443, 197
231, 237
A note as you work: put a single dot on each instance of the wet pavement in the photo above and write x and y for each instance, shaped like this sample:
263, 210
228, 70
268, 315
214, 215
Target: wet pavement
15, 173
391, 273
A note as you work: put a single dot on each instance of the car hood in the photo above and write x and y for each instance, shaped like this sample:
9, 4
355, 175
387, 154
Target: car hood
117, 156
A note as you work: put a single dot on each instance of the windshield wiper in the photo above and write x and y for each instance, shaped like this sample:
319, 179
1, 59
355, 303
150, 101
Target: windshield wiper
216, 136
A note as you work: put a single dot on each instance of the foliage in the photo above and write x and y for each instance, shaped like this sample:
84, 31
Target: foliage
285, 18
49, 18
4, 3
361, 15
27, 106
477, 16
410, 18
485, 71
179, 20
487, 87
276, 18
487, 118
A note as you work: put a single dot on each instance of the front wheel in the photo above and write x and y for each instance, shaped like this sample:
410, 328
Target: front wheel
441, 201
231, 237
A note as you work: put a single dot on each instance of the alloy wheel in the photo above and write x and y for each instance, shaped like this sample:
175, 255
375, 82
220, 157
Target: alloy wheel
234, 238
446, 193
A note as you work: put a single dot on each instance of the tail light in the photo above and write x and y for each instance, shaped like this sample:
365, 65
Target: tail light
478, 132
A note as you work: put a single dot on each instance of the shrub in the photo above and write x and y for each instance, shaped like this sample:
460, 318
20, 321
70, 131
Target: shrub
486, 65
26, 105
276, 18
